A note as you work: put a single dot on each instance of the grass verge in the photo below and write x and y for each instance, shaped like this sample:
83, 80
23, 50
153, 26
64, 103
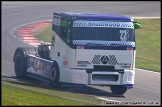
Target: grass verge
147, 43
17, 96
18, 93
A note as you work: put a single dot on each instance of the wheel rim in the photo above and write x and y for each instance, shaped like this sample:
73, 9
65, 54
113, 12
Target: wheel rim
53, 74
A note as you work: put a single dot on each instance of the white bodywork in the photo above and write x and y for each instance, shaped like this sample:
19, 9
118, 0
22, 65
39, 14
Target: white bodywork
76, 73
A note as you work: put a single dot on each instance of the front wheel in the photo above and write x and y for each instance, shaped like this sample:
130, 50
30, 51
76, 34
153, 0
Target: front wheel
118, 89
54, 75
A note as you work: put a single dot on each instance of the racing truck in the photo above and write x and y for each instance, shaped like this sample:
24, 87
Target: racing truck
85, 48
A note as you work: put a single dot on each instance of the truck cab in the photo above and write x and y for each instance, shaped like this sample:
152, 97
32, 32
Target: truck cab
94, 49
90, 49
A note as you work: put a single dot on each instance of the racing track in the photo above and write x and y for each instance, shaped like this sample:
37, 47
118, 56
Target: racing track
147, 84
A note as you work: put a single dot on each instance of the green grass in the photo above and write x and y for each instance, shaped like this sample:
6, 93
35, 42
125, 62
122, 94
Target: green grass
44, 35
17, 95
147, 43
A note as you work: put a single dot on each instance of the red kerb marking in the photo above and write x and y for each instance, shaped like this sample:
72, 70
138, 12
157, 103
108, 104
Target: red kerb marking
25, 32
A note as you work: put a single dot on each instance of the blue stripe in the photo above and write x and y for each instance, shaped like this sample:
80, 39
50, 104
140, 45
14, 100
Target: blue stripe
100, 42
107, 47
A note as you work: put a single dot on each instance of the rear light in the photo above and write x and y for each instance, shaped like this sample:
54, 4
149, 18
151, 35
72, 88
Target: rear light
129, 48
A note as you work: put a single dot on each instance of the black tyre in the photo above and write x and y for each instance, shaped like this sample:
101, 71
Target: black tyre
118, 89
54, 75
20, 64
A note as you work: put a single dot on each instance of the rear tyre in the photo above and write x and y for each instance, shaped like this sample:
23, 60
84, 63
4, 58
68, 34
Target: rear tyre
54, 75
118, 89
20, 64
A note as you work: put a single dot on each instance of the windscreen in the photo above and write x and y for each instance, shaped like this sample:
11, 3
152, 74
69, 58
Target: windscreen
103, 31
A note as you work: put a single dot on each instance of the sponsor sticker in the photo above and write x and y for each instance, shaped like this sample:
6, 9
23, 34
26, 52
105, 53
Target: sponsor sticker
103, 24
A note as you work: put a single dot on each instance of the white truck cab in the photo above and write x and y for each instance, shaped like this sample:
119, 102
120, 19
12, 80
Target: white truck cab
90, 49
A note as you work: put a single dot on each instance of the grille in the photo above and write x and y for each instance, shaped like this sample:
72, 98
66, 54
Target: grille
103, 68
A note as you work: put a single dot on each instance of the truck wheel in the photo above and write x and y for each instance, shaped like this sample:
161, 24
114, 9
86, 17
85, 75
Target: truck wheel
20, 64
118, 89
54, 75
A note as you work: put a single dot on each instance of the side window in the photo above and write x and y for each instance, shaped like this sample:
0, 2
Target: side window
56, 24
65, 33
62, 28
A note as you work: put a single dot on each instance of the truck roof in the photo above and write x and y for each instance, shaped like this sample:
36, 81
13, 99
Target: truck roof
93, 16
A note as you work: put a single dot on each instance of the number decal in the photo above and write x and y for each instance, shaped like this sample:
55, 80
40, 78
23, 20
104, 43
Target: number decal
123, 35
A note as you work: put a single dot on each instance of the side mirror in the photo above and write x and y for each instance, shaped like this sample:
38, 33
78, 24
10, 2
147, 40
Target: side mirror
137, 25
